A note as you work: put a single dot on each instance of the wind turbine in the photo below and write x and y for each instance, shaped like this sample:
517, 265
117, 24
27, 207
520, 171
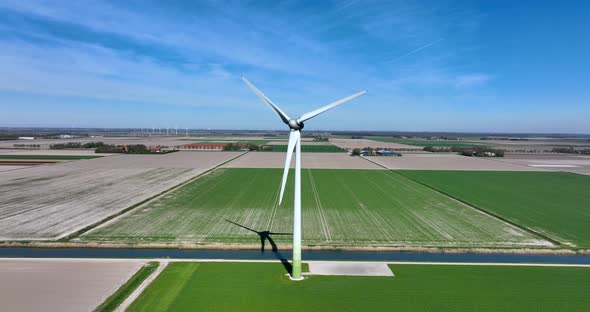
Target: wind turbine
296, 125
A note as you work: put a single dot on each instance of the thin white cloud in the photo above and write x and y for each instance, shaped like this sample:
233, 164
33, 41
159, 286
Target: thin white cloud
293, 60
95, 72
415, 50
472, 80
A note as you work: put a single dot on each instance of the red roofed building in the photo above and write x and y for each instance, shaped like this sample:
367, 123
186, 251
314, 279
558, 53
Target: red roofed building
203, 146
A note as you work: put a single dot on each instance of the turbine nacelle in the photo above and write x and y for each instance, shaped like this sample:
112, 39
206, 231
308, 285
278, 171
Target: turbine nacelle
294, 124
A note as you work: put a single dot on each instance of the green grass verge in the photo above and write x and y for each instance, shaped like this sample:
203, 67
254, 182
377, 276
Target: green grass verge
327, 148
425, 143
556, 204
48, 157
112, 302
265, 287
340, 207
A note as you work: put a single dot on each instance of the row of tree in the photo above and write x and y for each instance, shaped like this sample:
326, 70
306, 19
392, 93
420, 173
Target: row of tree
245, 146
321, 139
127, 149
370, 151
70, 145
467, 151
570, 150
26, 145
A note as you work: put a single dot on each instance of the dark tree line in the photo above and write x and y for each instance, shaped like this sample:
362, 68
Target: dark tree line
76, 145
467, 151
245, 146
570, 150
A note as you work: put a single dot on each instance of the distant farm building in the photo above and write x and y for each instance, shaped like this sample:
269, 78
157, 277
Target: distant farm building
121, 148
156, 149
203, 146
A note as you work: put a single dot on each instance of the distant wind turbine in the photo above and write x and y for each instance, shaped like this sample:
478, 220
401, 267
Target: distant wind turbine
296, 125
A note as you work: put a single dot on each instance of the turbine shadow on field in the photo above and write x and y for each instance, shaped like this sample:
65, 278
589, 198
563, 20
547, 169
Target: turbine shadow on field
264, 236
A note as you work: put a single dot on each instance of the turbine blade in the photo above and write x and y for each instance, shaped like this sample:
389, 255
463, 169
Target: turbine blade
293, 138
266, 100
318, 111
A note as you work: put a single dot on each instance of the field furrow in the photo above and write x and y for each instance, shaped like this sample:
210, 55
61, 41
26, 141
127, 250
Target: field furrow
339, 208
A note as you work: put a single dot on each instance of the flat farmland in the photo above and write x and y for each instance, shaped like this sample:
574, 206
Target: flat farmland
304, 142
567, 163
264, 287
50, 152
556, 204
52, 201
11, 167
340, 208
61, 284
445, 161
310, 148
423, 143
310, 160
362, 143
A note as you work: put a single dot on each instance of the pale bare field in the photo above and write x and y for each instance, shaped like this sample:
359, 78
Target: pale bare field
534, 142
52, 201
308, 160
565, 163
440, 161
538, 145
80, 152
61, 285
9, 168
238, 138
170, 141
544, 156
153, 141
306, 143
361, 143
182, 159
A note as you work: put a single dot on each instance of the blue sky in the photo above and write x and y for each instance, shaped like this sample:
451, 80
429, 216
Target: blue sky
490, 66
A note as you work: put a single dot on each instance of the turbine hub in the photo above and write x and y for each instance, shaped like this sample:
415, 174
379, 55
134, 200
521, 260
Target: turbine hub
295, 125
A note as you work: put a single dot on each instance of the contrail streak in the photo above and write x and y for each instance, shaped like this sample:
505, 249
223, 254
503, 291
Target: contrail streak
415, 51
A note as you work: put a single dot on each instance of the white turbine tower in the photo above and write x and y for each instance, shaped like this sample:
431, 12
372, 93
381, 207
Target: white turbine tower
296, 125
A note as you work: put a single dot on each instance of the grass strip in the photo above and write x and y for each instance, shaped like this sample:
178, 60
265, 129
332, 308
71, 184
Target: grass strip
112, 302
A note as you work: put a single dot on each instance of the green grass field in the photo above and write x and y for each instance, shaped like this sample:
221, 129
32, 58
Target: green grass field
340, 208
264, 287
327, 148
556, 204
47, 157
112, 302
425, 143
